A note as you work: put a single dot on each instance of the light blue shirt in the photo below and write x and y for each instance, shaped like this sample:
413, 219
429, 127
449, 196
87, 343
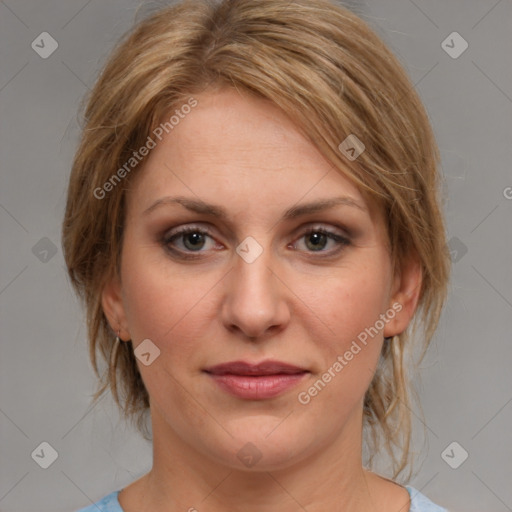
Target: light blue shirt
419, 503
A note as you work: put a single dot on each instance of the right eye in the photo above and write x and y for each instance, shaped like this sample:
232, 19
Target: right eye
189, 239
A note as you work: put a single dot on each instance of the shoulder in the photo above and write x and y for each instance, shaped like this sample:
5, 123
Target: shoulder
420, 503
109, 503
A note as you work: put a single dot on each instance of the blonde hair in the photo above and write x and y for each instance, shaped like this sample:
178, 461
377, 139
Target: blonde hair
325, 68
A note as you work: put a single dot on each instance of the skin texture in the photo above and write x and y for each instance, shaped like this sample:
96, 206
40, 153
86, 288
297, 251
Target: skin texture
297, 302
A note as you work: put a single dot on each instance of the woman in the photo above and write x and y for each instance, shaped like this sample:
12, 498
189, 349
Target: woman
253, 224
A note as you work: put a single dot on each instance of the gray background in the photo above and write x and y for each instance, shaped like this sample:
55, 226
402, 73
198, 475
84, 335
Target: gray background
45, 377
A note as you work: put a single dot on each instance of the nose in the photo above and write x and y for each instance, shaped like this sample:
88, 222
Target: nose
255, 304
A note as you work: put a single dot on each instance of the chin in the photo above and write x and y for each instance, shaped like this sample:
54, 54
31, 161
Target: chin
258, 445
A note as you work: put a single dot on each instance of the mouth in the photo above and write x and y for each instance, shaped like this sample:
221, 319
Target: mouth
259, 381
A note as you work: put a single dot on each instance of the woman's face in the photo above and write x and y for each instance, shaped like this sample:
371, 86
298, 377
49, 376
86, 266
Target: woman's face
261, 275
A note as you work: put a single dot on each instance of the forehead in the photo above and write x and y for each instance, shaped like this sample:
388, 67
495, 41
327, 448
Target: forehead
230, 130
240, 150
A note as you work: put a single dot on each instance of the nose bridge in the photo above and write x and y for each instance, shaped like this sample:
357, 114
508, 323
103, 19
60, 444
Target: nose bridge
254, 300
252, 275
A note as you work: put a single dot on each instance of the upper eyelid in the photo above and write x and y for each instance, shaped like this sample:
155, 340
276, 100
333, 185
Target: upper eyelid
208, 230
302, 230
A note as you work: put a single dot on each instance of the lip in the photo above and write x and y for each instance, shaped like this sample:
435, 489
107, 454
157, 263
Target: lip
268, 367
259, 381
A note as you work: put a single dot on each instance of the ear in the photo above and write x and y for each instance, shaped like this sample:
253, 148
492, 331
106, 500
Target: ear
405, 296
113, 307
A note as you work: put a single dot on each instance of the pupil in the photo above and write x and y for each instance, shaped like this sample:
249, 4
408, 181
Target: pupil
318, 239
196, 238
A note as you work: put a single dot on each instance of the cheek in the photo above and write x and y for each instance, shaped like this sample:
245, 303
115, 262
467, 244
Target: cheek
162, 305
350, 303
163, 308
351, 350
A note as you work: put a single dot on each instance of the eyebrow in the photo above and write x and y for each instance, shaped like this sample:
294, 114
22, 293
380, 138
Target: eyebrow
213, 210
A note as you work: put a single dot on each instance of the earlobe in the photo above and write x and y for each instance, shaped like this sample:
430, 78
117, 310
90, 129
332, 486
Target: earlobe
113, 307
405, 297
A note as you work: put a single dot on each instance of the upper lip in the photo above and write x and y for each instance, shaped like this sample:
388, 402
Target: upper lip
268, 367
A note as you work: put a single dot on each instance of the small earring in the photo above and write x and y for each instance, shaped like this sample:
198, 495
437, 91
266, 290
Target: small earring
118, 340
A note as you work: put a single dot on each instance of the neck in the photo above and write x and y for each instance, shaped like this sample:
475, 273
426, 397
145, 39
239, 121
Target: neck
329, 478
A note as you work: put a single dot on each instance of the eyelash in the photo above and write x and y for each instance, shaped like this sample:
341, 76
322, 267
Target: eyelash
342, 241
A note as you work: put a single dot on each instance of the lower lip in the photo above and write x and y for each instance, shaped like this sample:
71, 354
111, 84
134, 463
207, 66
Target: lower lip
257, 387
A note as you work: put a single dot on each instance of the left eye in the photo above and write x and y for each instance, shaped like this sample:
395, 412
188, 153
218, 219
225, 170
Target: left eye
195, 239
318, 238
